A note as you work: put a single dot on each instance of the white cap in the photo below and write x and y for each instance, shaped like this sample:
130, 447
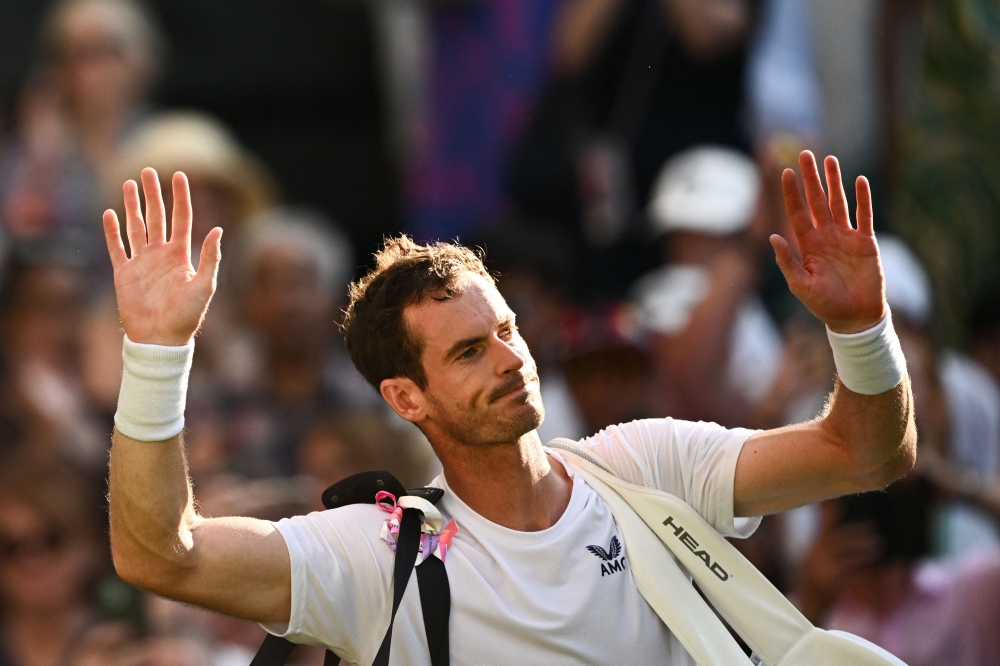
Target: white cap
709, 189
907, 287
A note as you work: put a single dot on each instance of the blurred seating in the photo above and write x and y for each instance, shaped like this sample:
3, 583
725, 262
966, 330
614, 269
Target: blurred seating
598, 150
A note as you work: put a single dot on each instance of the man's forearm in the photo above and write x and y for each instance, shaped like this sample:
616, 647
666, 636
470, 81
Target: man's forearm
151, 509
237, 566
876, 432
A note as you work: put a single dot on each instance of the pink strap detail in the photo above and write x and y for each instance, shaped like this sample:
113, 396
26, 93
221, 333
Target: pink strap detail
449, 531
430, 543
383, 495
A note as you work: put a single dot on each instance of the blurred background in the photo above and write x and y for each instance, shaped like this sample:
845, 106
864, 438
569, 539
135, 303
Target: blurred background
618, 162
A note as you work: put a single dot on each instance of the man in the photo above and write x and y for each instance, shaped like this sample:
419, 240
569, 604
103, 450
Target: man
429, 329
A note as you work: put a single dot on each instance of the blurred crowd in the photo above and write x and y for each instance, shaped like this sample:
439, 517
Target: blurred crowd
618, 161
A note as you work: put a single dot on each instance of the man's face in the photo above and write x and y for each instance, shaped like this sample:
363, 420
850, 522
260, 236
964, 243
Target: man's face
482, 384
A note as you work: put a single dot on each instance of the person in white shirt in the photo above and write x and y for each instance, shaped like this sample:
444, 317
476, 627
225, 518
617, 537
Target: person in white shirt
538, 571
716, 350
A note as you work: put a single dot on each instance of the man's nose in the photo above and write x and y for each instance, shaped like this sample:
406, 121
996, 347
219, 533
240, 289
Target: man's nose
509, 357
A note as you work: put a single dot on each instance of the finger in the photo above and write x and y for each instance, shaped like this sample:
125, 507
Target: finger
208, 265
156, 216
789, 264
815, 196
835, 186
180, 226
113, 236
866, 218
134, 226
798, 214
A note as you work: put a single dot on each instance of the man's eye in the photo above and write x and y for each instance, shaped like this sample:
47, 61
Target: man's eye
508, 331
467, 354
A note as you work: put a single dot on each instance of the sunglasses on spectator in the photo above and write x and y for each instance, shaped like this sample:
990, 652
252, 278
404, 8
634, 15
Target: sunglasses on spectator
94, 52
43, 543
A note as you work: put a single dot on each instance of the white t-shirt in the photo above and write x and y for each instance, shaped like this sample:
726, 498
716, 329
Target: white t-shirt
517, 597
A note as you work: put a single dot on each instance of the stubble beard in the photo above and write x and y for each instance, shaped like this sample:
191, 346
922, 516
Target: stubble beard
489, 426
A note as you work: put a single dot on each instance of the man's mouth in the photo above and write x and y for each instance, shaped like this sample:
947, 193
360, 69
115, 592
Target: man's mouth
514, 386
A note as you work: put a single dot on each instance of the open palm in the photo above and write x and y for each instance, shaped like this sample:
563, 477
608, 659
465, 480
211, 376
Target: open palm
839, 276
161, 298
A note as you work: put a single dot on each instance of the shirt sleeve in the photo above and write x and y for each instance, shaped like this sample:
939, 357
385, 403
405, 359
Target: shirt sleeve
694, 461
341, 579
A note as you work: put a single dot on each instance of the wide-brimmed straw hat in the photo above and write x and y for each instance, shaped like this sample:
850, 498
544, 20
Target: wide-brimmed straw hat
203, 148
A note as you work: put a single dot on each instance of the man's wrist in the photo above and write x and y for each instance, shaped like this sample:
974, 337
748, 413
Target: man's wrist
154, 390
871, 361
856, 326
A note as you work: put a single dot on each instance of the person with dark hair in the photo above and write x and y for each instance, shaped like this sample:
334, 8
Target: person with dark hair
49, 557
607, 369
527, 564
868, 572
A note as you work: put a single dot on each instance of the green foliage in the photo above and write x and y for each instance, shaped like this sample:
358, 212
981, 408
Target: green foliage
948, 195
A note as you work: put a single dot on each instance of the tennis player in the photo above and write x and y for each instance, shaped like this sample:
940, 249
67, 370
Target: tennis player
538, 570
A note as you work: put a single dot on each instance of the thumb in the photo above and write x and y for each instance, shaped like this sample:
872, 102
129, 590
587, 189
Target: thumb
211, 255
789, 264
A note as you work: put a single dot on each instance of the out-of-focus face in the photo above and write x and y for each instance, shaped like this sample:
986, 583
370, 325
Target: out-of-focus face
287, 303
43, 317
101, 72
41, 569
213, 204
482, 384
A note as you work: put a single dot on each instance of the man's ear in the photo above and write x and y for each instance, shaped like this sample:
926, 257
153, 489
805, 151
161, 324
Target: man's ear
405, 398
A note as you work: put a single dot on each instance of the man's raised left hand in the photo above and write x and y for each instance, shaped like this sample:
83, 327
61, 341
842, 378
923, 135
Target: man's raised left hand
838, 275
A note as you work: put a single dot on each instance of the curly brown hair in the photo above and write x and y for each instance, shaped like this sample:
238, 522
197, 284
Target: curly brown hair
405, 274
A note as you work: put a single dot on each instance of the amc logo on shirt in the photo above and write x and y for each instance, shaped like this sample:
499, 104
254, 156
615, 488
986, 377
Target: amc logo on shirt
612, 564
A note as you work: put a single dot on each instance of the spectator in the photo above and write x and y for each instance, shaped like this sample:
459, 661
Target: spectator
487, 62
45, 403
867, 574
49, 557
957, 400
228, 183
289, 281
606, 369
99, 58
638, 81
716, 350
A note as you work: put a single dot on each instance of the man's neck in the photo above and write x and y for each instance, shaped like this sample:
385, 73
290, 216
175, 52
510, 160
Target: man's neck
513, 485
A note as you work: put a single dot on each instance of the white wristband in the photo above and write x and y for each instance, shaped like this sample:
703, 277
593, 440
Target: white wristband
154, 390
870, 362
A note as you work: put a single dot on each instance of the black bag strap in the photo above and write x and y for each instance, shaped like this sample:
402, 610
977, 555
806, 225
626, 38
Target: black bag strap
435, 602
407, 544
274, 651
432, 578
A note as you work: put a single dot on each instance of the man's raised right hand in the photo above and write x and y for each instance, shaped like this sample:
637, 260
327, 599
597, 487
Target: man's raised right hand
161, 298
